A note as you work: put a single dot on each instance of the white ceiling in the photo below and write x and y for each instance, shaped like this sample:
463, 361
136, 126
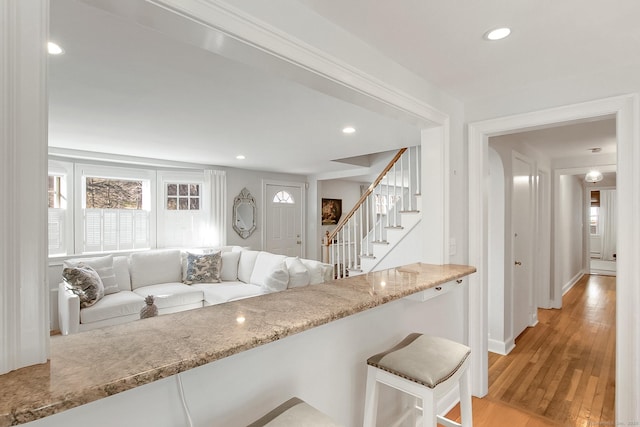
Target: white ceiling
124, 89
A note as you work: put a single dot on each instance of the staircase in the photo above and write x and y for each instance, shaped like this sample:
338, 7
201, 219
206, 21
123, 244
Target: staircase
385, 214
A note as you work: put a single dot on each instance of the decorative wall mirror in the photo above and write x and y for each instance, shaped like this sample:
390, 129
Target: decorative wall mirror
244, 214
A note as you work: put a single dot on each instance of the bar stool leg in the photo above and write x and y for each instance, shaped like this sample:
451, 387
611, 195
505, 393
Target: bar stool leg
371, 398
429, 410
466, 416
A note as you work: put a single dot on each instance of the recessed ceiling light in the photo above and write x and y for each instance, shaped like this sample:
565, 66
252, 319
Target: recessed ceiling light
54, 49
348, 130
497, 34
240, 157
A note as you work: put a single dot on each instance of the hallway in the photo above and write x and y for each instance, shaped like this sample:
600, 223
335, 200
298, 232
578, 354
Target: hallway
564, 368
562, 371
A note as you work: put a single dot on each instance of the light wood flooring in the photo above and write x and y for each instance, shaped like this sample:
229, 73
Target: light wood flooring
562, 371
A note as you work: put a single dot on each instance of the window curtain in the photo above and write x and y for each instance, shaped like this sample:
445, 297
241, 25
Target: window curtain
217, 181
608, 228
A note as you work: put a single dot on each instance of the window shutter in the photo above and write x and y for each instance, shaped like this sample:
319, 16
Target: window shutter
126, 230
92, 230
56, 231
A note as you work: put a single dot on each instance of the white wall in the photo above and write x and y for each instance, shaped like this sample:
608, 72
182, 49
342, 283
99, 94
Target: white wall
501, 320
497, 307
347, 191
569, 232
237, 179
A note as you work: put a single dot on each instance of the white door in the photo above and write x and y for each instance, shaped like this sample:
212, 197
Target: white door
523, 225
284, 207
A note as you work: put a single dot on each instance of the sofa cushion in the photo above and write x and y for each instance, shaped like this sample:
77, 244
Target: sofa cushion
85, 282
171, 294
103, 266
229, 271
277, 279
154, 267
218, 293
298, 273
266, 262
201, 268
121, 269
316, 272
111, 306
245, 265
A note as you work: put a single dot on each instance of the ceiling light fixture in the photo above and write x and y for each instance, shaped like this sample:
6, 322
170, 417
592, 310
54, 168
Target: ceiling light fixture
240, 157
54, 49
349, 130
593, 176
497, 34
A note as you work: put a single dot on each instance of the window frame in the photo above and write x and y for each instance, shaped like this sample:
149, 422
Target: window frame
83, 170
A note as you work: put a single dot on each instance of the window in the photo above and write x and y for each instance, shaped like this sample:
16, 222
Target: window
283, 197
96, 208
116, 214
59, 218
113, 209
183, 209
594, 213
183, 197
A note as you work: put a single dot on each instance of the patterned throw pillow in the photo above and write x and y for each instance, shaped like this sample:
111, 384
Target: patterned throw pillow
203, 268
85, 282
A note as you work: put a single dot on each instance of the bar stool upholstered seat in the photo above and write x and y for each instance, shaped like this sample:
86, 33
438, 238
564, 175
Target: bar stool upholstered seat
294, 413
426, 368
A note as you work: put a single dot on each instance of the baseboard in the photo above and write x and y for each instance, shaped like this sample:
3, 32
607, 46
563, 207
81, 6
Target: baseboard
571, 283
501, 347
602, 272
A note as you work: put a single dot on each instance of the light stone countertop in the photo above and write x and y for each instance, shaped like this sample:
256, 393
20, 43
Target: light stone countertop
141, 352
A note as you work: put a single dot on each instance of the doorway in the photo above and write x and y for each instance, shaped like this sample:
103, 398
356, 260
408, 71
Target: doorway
283, 212
624, 108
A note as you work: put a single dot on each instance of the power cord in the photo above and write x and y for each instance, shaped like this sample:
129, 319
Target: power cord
184, 401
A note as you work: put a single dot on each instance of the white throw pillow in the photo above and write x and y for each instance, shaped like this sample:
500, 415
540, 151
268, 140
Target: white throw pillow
229, 270
154, 267
245, 265
315, 271
298, 273
277, 278
103, 266
265, 262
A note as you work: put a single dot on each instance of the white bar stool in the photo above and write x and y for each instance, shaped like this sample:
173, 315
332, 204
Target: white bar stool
424, 367
295, 412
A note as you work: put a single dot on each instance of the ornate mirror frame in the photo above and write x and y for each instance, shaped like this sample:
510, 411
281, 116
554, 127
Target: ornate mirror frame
244, 226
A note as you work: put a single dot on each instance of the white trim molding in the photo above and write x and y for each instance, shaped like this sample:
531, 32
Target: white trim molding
626, 109
24, 313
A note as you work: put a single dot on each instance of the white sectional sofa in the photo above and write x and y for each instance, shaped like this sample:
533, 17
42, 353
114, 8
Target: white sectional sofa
243, 274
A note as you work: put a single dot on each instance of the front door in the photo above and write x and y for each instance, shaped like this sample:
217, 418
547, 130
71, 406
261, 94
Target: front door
284, 206
523, 217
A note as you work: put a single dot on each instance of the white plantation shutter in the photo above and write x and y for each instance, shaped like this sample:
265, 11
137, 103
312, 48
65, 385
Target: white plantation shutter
92, 230
141, 229
126, 230
56, 227
109, 229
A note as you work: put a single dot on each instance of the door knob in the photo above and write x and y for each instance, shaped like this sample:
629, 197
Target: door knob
518, 263
299, 242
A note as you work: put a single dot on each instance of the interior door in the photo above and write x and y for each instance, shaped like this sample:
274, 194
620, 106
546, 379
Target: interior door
523, 226
283, 219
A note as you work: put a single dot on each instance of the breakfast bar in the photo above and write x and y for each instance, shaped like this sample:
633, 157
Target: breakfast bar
223, 365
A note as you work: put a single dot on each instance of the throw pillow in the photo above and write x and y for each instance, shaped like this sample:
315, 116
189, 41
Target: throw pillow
204, 268
315, 271
298, 273
103, 266
277, 278
229, 270
85, 282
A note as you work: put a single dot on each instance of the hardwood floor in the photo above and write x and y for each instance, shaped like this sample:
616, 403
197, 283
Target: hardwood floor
562, 371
